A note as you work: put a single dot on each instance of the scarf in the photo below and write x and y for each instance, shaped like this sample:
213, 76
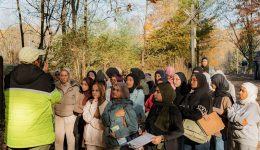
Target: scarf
252, 91
182, 90
163, 76
168, 95
221, 91
194, 98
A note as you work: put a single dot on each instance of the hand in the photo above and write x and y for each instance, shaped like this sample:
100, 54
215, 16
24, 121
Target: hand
157, 140
214, 109
206, 117
218, 134
120, 113
244, 122
113, 134
45, 67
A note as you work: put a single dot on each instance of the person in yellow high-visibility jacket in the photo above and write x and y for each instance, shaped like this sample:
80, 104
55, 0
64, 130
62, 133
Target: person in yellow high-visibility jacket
30, 94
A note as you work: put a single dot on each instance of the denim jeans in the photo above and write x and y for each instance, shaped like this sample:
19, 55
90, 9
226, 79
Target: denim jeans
219, 143
204, 146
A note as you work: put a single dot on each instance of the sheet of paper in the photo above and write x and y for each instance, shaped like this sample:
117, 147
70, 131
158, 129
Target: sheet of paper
140, 141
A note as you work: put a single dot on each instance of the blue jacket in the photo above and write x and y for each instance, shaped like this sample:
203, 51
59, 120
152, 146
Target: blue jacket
138, 103
110, 120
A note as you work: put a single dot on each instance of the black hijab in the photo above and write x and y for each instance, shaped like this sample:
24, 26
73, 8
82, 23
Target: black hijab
138, 72
182, 90
199, 92
168, 95
222, 88
101, 77
136, 82
94, 72
163, 76
197, 70
205, 68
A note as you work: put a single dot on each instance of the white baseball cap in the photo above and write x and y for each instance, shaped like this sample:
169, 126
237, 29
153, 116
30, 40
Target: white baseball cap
30, 54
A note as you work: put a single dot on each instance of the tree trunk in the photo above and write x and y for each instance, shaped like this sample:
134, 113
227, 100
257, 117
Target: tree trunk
86, 16
83, 64
42, 25
74, 15
21, 23
85, 30
63, 17
145, 22
198, 54
250, 63
250, 41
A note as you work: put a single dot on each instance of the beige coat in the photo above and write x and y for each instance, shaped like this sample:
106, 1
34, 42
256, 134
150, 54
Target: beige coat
70, 97
78, 106
93, 132
226, 103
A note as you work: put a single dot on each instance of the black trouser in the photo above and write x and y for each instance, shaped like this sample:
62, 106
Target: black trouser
78, 132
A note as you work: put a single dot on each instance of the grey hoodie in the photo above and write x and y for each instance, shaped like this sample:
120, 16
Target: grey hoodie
246, 109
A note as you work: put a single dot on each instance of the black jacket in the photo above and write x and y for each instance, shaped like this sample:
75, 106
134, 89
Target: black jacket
175, 128
197, 102
29, 76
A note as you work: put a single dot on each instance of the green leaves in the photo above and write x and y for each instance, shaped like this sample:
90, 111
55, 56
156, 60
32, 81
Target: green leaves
170, 40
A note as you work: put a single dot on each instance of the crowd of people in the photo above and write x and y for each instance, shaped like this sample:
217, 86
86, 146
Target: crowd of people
105, 110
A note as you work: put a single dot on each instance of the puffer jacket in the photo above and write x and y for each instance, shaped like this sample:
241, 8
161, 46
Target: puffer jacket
69, 99
29, 94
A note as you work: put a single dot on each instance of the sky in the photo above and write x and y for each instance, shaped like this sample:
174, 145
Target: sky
9, 15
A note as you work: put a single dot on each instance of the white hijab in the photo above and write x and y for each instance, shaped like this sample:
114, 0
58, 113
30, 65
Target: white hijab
252, 91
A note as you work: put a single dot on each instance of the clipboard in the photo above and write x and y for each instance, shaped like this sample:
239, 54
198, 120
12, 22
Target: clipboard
140, 141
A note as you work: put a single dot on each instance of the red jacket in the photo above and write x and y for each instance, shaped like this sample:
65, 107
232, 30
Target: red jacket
149, 103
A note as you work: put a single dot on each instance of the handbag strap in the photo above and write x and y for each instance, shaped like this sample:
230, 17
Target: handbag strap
124, 122
123, 118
